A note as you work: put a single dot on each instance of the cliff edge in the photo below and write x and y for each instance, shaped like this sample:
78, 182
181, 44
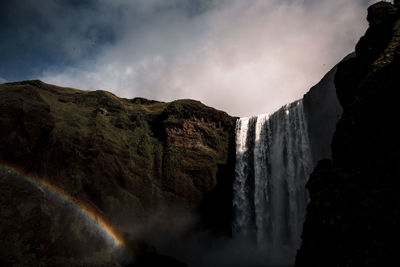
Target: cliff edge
354, 212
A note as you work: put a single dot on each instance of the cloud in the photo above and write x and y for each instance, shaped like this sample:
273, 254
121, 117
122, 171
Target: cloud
244, 57
2, 80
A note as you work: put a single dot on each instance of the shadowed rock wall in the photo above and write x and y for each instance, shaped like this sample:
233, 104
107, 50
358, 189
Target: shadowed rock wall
354, 213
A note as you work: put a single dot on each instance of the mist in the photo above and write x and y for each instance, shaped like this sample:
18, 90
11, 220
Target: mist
175, 235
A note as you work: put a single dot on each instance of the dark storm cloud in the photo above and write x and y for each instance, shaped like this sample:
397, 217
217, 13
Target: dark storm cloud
38, 35
242, 56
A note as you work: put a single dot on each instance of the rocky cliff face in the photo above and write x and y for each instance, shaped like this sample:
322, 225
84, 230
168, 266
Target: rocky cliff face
127, 159
354, 213
322, 110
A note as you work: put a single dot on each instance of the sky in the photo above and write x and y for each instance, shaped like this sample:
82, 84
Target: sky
245, 57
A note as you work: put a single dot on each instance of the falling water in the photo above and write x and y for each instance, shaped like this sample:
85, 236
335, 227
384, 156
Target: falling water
273, 162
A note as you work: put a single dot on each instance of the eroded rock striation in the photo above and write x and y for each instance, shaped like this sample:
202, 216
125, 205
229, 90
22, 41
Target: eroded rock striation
354, 213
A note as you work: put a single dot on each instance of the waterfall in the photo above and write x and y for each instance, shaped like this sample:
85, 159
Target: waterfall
273, 162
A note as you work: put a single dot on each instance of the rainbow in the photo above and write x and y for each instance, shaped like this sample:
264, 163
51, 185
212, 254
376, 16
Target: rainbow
89, 214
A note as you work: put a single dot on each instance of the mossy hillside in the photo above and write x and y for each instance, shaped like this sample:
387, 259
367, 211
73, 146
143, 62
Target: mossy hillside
125, 157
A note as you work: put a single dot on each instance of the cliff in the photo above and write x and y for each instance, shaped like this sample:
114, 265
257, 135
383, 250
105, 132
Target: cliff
133, 161
322, 111
354, 212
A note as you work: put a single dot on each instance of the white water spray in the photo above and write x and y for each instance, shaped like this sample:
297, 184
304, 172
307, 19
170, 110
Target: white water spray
273, 163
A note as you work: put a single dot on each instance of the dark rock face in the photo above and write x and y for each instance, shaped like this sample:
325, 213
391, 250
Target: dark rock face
127, 159
354, 213
322, 110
